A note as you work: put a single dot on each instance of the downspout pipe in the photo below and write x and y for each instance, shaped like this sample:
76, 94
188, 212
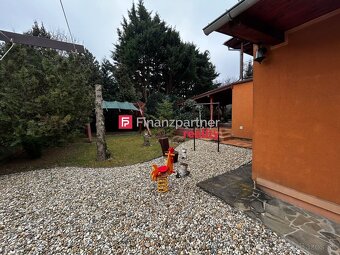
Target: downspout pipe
229, 15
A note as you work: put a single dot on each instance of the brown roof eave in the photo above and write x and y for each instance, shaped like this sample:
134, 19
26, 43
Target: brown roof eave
262, 22
229, 15
236, 44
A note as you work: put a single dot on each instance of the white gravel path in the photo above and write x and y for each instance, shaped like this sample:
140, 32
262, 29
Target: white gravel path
118, 211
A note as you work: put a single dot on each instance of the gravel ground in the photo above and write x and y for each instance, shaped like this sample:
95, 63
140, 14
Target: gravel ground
118, 211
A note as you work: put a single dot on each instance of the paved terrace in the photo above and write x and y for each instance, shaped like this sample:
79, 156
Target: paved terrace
314, 234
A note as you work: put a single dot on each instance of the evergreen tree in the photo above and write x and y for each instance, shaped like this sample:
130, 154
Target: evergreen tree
45, 96
155, 59
152, 104
126, 91
108, 81
248, 72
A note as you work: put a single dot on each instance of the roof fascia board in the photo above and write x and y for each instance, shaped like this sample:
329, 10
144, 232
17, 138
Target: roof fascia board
229, 15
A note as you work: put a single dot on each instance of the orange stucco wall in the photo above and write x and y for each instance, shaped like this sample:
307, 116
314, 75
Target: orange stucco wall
242, 111
296, 139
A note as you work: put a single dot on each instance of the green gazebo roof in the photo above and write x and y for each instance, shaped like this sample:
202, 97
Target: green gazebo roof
119, 105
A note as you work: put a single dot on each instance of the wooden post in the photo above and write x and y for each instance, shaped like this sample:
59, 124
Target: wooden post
89, 132
241, 61
102, 152
211, 108
218, 136
194, 137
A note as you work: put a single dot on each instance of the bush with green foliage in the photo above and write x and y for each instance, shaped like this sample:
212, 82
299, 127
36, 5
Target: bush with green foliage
188, 110
46, 96
165, 112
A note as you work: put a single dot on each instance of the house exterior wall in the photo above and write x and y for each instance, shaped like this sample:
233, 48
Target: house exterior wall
296, 139
242, 111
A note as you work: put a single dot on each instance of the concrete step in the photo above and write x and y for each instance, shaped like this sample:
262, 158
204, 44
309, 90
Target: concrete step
225, 137
225, 134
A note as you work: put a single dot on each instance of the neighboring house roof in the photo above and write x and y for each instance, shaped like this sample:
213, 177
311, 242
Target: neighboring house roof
119, 105
265, 21
11, 37
220, 89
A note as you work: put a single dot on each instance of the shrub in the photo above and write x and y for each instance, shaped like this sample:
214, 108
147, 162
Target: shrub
165, 112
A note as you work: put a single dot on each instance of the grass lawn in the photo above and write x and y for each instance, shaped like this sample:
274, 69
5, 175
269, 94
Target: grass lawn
126, 149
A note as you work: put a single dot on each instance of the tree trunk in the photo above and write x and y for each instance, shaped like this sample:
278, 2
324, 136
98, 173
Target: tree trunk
89, 133
169, 85
102, 153
145, 95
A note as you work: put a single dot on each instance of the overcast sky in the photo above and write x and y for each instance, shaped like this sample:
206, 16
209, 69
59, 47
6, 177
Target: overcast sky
95, 23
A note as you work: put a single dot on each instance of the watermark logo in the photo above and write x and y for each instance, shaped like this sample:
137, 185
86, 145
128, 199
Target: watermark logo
173, 123
199, 129
203, 133
125, 122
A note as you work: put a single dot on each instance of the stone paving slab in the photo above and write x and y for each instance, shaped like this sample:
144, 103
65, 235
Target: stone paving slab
312, 233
